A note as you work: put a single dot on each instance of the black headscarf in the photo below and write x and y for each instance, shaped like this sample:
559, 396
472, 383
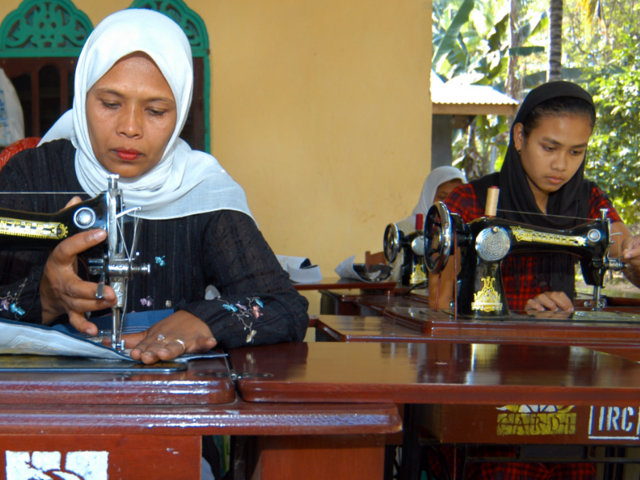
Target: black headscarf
566, 208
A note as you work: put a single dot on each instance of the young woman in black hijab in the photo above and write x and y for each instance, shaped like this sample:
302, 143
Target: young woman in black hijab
542, 183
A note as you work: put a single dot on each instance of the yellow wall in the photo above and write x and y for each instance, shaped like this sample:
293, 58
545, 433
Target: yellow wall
321, 111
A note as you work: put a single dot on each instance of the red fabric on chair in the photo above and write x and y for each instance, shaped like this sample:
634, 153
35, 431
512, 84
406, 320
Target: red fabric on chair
15, 147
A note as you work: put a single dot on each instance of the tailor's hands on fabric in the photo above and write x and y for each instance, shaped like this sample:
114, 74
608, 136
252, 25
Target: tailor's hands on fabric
63, 291
550, 301
177, 334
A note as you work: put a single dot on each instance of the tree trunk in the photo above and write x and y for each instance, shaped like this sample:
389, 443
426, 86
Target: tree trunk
514, 84
555, 40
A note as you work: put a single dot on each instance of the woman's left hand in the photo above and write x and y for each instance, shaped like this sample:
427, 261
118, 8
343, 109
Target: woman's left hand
176, 335
631, 251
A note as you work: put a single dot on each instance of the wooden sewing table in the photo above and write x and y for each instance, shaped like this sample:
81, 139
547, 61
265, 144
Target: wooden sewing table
408, 319
440, 373
138, 425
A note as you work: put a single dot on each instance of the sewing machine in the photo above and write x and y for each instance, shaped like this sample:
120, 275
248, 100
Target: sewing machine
111, 261
486, 241
412, 248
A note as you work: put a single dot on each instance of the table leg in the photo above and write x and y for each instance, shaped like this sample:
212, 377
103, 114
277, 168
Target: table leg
410, 469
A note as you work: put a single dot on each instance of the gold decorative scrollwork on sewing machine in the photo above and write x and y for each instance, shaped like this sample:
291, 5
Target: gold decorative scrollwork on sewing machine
33, 229
528, 235
487, 299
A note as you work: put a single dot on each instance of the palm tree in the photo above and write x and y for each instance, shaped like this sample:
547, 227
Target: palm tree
555, 40
513, 84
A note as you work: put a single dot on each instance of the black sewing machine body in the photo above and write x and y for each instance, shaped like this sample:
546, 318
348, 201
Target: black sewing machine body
111, 262
411, 246
40, 231
486, 241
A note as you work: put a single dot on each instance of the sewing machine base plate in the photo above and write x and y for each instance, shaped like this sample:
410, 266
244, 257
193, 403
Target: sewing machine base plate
589, 316
36, 363
427, 321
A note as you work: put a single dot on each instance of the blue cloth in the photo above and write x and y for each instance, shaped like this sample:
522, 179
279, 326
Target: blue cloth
133, 322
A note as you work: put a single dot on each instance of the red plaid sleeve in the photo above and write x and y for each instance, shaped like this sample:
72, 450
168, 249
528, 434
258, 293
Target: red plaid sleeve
598, 201
463, 201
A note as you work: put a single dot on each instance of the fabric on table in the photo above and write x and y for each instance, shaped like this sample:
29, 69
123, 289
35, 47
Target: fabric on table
521, 278
258, 304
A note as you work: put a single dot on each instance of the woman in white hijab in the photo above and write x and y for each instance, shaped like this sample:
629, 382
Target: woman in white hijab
133, 89
439, 183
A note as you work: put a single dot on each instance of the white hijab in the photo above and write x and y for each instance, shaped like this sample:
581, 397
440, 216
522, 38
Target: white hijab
437, 177
185, 181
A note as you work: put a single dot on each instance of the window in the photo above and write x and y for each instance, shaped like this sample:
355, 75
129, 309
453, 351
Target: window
41, 40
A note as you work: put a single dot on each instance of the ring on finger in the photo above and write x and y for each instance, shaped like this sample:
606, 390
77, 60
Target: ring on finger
161, 338
184, 347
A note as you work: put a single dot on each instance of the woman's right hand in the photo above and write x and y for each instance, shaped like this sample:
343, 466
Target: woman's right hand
550, 301
63, 291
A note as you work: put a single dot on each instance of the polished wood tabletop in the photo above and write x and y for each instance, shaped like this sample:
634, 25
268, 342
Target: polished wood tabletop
621, 339
445, 373
351, 328
337, 283
204, 382
615, 330
137, 425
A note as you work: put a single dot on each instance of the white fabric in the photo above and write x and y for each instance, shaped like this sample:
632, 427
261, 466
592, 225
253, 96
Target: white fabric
437, 177
11, 115
185, 181
61, 129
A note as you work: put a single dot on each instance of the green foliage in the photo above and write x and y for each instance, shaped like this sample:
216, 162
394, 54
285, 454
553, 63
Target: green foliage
471, 41
482, 150
614, 149
449, 41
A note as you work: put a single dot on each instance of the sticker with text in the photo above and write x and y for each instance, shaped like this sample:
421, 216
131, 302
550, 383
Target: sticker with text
614, 423
533, 420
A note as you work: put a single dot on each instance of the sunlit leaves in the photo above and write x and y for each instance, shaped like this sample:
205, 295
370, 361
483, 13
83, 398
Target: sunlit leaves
613, 158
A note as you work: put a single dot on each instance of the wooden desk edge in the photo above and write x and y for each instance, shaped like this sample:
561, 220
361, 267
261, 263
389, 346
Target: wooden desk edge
238, 418
458, 394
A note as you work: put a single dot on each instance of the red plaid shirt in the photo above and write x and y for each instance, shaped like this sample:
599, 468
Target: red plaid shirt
504, 471
464, 202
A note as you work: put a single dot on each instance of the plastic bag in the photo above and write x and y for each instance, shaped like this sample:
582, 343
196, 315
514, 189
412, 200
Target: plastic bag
11, 115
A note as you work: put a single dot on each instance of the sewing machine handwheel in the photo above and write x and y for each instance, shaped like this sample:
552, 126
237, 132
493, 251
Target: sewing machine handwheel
391, 242
438, 237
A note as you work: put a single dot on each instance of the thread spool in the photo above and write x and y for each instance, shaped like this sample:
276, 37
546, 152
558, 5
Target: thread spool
491, 208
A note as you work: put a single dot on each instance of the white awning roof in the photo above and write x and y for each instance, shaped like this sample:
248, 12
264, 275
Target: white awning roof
457, 98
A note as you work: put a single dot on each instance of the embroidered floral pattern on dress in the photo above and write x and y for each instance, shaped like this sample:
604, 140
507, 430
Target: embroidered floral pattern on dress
160, 261
146, 302
10, 302
246, 313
